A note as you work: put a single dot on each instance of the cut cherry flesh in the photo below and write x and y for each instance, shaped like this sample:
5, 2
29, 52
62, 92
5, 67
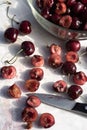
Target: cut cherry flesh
47, 120
33, 101
29, 114
36, 73
80, 78
60, 86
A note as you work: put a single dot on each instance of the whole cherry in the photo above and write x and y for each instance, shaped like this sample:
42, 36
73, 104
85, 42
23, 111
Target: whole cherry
74, 91
73, 45
25, 27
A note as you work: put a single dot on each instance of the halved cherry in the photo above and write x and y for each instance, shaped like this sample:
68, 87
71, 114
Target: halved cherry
72, 56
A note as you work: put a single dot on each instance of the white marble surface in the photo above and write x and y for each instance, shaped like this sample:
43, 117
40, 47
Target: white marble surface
10, 109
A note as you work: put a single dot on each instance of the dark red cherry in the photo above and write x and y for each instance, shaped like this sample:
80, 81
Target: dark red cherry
74, 91
71, 3
28, 48
68, 68
46, 13
78, 7
25, 27
11, 34
84, 1
73, 45
76, 23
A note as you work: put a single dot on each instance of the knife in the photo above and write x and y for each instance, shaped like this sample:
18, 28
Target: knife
62, 103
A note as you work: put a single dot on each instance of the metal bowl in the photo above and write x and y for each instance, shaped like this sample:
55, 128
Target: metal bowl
58, 31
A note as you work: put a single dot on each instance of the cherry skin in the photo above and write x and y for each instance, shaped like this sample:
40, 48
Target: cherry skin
74, 91
11, 34
28, 48
25, 27
68, 68
73, 45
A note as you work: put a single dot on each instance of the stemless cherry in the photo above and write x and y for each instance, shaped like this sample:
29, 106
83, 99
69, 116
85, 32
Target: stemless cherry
55, 61
11, 34
60, 86
54, 48
47, 120
72, 56
36, 73
73, 45
29, 114
14, 91
74, 91
8, 72
25, 27
68, 68
33, 101
32, 85
37, 60
80, 78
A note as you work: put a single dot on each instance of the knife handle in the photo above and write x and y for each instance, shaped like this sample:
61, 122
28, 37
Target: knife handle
80, 107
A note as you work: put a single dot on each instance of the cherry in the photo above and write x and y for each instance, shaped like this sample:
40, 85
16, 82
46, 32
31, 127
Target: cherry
68, 68
32, 85
78, 7
27, 47
29, 114
71, 3
11, 34
60, 86
47, 120
36, 73
33, 101
54, 48
60, 8
80, 78
37, 60
14, 91
73, 45
8, 72
46, 13
84, 1
55, 61
25, 27
72, 56
76, 23
65, 21
74, 91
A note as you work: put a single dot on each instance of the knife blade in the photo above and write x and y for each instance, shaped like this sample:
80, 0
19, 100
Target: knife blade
62, 103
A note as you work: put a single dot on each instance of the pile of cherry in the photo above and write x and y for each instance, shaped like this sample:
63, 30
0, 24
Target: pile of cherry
68, 68
66, 13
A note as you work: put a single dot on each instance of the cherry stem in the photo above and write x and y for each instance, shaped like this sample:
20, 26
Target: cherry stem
12, 17
14, 58
7, 2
